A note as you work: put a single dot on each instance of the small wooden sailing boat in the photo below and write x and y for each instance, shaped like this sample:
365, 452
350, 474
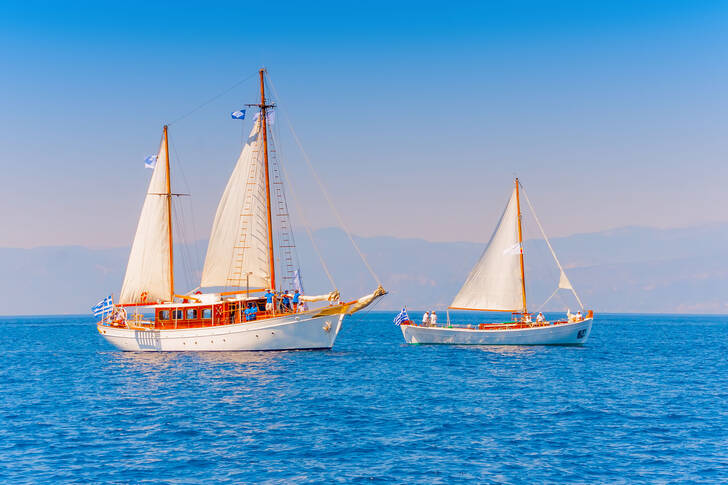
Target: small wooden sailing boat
497, 283
240, 255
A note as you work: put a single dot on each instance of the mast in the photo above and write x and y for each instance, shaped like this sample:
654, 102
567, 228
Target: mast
264, 122
520, 245
168, 194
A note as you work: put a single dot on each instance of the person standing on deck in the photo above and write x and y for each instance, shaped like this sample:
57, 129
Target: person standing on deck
426, 319
296, 296
268, 301
285, 303
540, 318
433, 319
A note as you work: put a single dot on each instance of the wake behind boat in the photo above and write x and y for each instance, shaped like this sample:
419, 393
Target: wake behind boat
498, 283
251, 314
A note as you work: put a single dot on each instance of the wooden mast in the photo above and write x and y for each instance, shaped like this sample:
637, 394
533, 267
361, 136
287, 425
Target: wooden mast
264, 127
169, 217
520, 245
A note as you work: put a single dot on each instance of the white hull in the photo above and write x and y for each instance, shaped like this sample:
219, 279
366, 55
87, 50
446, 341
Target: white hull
283, 333
561, 334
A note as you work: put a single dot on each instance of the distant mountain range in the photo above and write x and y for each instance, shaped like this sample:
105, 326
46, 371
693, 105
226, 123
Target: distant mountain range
632, 269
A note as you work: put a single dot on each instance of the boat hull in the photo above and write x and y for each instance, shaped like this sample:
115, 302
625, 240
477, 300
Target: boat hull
291, 332
573, 333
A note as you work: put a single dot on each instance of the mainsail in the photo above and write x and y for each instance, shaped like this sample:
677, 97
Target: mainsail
148, 276
496, 281
238, 251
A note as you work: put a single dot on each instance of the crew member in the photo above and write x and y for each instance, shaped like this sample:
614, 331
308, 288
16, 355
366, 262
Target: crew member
296, 296
540, 318
269, 300
433, 318
426, 319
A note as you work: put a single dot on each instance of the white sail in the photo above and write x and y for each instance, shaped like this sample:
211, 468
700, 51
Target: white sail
495, 281
238, 252
147, 276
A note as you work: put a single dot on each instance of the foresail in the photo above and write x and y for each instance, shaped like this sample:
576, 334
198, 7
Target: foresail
495, 281
147, 276
238, 253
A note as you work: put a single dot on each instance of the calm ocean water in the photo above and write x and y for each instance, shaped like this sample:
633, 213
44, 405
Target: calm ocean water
644, 401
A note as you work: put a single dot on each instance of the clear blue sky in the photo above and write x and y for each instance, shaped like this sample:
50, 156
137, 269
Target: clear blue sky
416, 115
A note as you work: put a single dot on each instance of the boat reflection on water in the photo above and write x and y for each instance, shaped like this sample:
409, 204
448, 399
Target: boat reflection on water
515, 350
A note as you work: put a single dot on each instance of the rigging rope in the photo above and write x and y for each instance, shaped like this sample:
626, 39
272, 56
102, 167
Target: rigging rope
199, 107
194, 262
553, 253
306, 225
323, 188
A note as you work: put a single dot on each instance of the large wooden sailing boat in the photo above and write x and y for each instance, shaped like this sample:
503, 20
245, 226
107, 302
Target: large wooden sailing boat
498, 283
240, 256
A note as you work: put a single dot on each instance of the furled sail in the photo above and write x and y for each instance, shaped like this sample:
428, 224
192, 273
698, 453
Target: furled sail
495, 282
148, 276
238, 253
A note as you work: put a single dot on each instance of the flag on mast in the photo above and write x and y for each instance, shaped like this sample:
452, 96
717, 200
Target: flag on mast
238, 115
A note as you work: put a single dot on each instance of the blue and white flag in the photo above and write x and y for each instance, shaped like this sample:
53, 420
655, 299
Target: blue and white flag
150, 161
402, 317
238, 115
103, 307
297, 282
298, 285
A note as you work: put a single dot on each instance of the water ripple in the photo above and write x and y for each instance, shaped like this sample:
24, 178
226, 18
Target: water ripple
644, 401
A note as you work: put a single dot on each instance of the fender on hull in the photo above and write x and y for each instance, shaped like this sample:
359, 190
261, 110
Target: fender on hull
575, 333
285, 333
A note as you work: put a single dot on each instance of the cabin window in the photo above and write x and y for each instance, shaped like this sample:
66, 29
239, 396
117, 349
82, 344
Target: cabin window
207, 313
178, 314
164, 315
192, 314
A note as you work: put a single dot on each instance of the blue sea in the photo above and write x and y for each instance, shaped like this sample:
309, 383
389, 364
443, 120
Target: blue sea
645, 400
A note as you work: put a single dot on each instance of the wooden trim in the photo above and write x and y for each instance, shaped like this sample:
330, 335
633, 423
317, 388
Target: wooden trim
481, 309
169, 218
520, 244
264, 128
237, 292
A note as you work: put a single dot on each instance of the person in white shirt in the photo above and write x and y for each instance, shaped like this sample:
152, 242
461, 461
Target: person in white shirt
578, 316
426, 319
433, 318
540, 318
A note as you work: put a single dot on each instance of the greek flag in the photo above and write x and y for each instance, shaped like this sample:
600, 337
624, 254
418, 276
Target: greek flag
238, 115
150, 161
402, 317
298, 285
103, 307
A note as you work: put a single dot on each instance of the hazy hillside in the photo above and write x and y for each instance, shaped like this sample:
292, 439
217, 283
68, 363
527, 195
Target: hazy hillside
633, 269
